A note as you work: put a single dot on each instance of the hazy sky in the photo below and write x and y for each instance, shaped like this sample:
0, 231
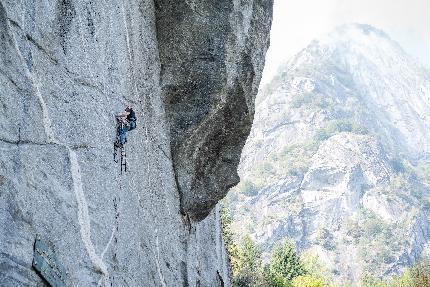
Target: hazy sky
297, 22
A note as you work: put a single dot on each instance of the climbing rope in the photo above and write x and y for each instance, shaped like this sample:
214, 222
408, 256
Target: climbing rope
116, 203
134, 87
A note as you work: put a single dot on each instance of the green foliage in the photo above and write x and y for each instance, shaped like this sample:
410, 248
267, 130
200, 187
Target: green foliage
301, 99
316, 269
354, 229
293, 160
369, 281
248, 269
248, 188
373, 225
276, 280
249, 263
312, 265
416, 276
400, 183
244, 255
307, 281
403, 187
310, 100
422, 170
325, 239
377, 240
232, 249
377, 245
336, 126
263, 171
226, 221
285, 264
405, 280
420, 274
403, 167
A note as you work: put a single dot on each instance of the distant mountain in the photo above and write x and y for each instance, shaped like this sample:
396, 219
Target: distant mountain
338, 158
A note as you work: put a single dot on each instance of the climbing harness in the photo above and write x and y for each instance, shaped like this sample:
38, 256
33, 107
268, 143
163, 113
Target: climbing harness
121, 147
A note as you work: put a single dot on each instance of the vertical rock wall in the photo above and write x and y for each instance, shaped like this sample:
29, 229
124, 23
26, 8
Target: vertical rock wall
66, 68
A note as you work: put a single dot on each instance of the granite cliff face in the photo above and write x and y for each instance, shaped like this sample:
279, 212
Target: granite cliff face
190, 69
338, 156
211, 62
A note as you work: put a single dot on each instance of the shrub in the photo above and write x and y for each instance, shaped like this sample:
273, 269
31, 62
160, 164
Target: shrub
420, 274
405, 280
337, 126
293, 160
301, 99
325, 239
400, 183
226, 221
423, 171
263, 171
378, 243
307, 281
285, 264
248, 188
312, 265
416, 276
370, 281
248, 268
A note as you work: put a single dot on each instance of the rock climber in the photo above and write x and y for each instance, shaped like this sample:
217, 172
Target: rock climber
128, 118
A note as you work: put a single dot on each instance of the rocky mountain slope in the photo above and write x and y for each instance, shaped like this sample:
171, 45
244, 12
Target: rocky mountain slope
66, 68
338, 156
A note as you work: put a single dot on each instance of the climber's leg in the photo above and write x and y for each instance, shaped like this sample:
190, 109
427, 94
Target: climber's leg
123, 134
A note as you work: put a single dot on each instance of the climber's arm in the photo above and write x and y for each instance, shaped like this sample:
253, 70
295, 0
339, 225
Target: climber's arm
122, 116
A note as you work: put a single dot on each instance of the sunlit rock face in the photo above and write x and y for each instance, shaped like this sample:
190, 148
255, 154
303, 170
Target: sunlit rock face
66, 68
338, 156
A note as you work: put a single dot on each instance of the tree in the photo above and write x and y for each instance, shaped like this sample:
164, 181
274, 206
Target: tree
405, 280
227, 233
249, 269
416, 276
420, 274
307, 281
370, 281
315, 268
285, 264
244, 255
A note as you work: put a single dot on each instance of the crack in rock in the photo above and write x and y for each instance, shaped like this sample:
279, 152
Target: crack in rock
36, 88
83, 214
84, 218
157, 260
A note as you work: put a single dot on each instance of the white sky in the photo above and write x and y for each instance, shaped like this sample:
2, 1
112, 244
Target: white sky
297, 22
